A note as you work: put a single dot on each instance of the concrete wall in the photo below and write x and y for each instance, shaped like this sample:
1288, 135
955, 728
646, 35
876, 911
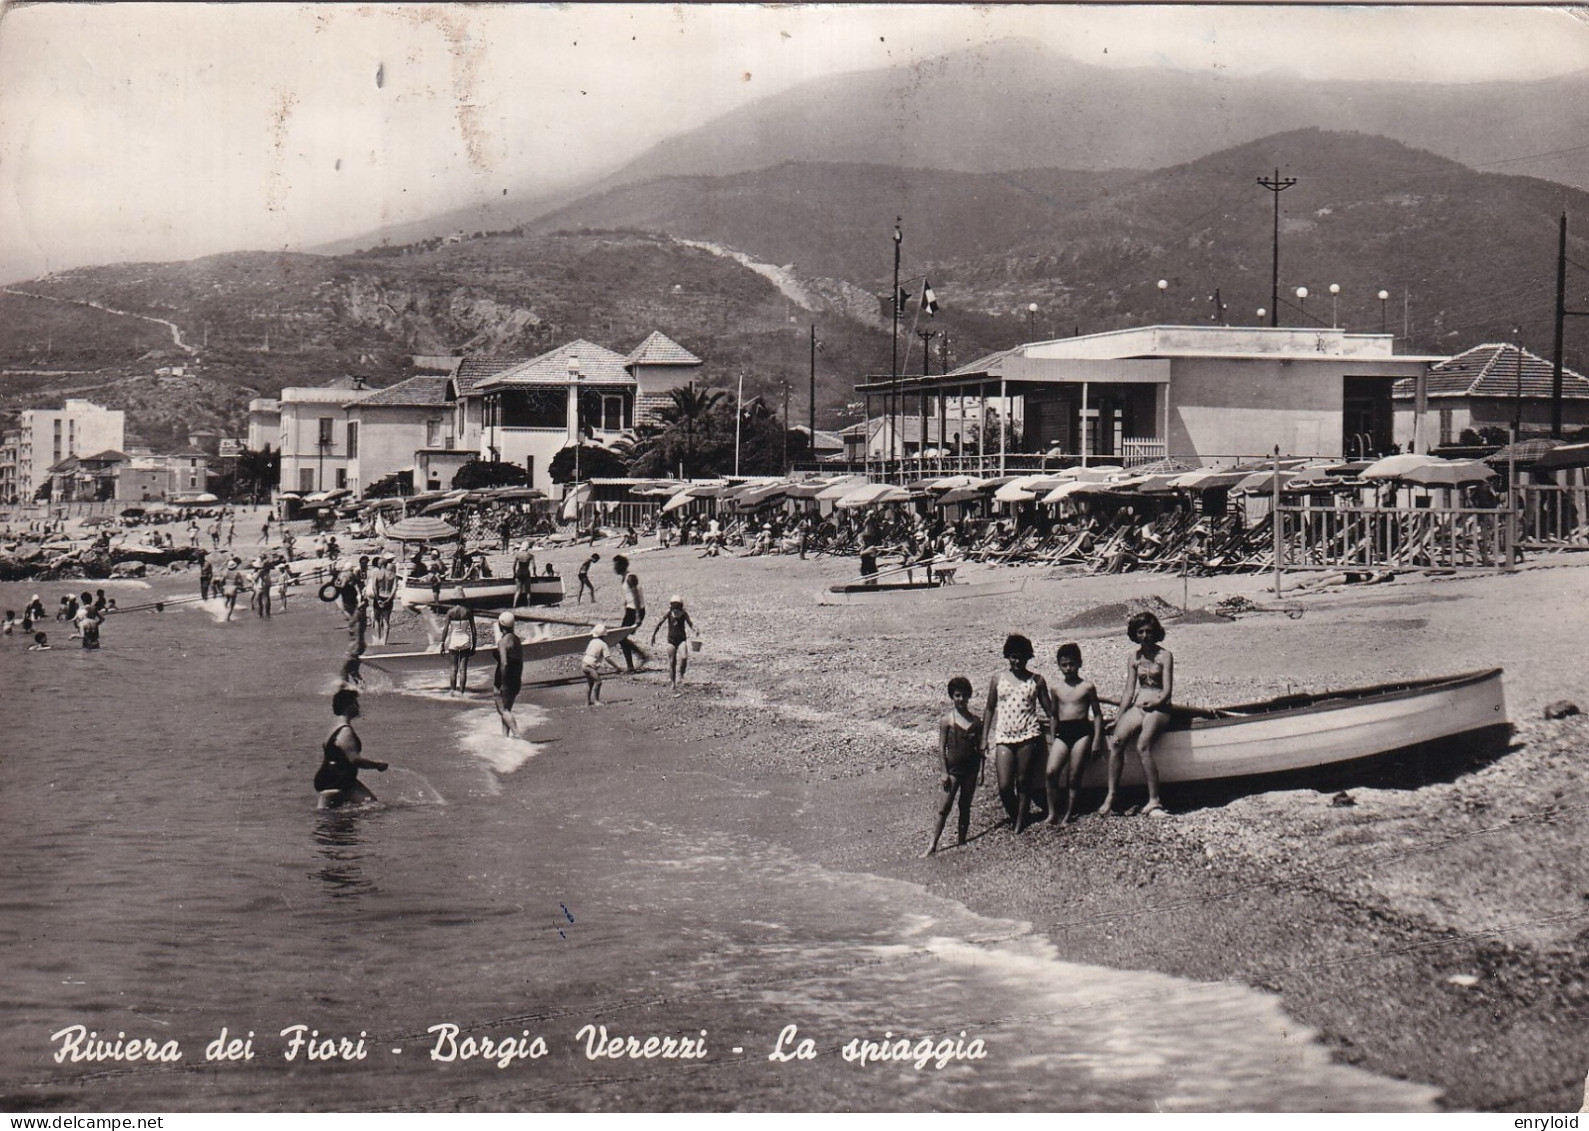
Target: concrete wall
389, 435
1485, 412
516, 445
1222, 410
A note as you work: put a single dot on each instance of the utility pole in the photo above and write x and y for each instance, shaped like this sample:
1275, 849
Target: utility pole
893, 371
1562, 314
1276, 185
786, 427
926, 337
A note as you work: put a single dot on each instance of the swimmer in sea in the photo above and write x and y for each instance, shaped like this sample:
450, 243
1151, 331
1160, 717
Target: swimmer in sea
337, 780
41, 643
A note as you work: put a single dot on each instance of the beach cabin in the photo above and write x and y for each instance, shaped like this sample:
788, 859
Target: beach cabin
1205, 395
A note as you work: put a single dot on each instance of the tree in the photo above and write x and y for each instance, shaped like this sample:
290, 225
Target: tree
479, 473
595, 462
255, 474
391, 486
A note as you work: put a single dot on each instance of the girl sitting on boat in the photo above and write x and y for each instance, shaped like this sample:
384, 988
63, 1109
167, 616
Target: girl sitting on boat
1014, 698
1144, 708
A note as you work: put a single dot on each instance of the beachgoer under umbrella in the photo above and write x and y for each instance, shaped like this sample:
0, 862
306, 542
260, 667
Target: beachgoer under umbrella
1144, 708
1014, 697
509, 677
342, 757
458, 641
678, 623
960, 747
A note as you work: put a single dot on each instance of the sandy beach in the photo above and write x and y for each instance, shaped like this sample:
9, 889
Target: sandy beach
1430, 934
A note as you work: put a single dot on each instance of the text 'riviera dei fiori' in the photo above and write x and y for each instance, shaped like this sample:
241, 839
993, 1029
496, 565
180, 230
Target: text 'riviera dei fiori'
447, 1043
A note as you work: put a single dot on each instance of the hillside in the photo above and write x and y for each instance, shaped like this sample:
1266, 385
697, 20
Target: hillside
738, 268
1018, 105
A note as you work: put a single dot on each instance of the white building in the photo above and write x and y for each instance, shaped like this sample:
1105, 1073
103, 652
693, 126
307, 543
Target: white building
318, 441
46, 436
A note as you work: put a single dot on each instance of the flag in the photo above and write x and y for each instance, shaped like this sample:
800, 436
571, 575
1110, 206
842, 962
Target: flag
929, 301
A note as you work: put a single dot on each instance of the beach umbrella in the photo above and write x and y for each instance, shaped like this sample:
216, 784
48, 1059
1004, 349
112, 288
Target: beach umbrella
1167, 466
519, 494
574, 498
842, 487
954, 482
420, 529
1157, 484
1568, 455
1097, 473
1448, 473
441, 505
682, 499
1026, 487
1264, 481
960, 495
1394, 467
871, 493
1524, 451
1353, 468
762, 493
1067, 489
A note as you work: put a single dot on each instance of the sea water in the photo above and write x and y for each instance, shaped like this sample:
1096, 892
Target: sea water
514, 924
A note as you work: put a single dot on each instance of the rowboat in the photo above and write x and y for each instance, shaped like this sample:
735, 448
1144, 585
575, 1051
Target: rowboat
936, 576
478, 592
1299, 738
569, 642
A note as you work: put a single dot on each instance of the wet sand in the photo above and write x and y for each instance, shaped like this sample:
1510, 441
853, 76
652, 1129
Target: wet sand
1433, 934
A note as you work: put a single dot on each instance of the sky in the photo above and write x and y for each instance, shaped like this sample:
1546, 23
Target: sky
133, 132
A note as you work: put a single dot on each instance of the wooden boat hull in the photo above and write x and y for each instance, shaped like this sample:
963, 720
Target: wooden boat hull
546, 648
883, 593
481, 593
1300, 737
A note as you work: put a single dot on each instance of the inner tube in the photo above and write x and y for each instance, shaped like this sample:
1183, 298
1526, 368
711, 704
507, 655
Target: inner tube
330, 591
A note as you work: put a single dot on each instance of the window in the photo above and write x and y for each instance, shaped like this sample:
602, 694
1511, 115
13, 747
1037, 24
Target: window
353, 438
433, 433
1445, 426
533, 408
326, 439
305, 480
342, 477
613, 416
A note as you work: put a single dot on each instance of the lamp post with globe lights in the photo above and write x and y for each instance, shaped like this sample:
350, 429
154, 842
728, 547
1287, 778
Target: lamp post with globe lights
1335, 295
1302, 297
1383, 295
1031, 321
1164, 286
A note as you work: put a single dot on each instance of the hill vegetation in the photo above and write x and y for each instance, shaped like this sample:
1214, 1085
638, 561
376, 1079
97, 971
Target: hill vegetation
738, 268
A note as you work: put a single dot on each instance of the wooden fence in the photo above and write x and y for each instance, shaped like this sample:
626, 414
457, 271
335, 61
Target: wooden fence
1400, 538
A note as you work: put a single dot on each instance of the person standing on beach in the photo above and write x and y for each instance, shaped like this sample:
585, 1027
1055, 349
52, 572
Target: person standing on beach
596, 654
458, 641
1078, 730
342, 757
1014, 697
1144, 709
634, 612
960, 747
678, 623
383, 595
264, 531
584, 579
523, 574
206, 578
509, 678
231, 583
262, 583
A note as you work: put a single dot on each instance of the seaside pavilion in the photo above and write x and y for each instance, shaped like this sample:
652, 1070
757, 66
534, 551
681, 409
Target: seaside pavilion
1205, 395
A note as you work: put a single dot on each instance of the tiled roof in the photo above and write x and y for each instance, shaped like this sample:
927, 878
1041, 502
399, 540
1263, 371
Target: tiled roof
109, 455
597, 366
1492, 371
476, 369
659, 349
422, 391
190, 453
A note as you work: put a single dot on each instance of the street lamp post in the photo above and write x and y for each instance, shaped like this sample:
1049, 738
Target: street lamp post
1335, 294
1164, 285
1302, 297
1383, 295
1261, 313
1031, 321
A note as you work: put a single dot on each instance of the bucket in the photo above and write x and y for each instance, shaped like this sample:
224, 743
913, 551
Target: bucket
695, 645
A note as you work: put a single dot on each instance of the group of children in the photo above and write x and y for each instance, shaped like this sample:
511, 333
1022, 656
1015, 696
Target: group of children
1024, 754
85, 613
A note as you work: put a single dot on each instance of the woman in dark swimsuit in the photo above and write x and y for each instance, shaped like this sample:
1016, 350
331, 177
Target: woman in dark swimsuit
337, 780
1144, 708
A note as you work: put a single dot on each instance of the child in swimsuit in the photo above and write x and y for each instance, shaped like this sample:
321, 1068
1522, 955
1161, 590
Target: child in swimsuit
1078, 730
960, 746
677, 621
1144, 708
1014, 697
596, 653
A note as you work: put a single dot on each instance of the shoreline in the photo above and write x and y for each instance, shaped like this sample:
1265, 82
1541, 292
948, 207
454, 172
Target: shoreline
1428, 934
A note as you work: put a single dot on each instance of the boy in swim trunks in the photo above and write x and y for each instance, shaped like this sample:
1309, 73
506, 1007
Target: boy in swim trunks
1078, 731
960, 746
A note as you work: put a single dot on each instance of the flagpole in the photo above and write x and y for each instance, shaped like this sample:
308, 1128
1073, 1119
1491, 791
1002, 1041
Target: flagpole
893, 371
739, 419
811, 409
